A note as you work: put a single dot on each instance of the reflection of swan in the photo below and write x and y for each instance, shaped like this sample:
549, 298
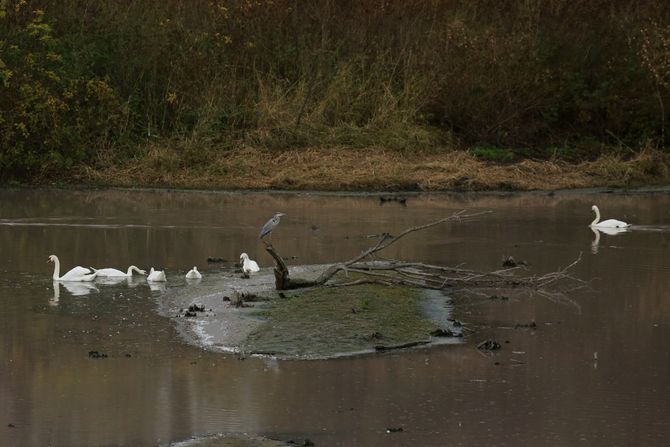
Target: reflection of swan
56, 299
193, 274
134, 281
248, 266
80, 288
111, 280
609, 223
606, 230
156, 275
76, 274
157, 286
118, 273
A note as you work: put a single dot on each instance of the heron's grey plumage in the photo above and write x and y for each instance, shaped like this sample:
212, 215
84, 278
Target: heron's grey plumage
270, 225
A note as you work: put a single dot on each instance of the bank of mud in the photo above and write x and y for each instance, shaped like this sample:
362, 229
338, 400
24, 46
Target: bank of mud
226, 312
237, 440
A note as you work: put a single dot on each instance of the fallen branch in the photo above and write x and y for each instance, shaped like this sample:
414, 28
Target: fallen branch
388, 240
427, 276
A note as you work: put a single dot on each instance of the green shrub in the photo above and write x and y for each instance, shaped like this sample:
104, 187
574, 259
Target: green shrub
492, 153
50, 119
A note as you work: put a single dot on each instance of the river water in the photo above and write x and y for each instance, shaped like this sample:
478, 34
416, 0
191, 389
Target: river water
595, 370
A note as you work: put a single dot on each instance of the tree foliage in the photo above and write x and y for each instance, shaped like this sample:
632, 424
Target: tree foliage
82, 81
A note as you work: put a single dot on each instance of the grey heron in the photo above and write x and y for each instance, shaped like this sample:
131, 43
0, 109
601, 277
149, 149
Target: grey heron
270, 225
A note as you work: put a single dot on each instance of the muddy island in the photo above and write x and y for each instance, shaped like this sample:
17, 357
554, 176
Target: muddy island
360, 306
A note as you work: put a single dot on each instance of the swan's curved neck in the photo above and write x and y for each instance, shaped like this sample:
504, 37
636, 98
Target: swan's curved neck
597, 219
130, 270
56, 268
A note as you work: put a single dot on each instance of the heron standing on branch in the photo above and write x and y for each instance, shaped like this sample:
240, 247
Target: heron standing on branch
270, 225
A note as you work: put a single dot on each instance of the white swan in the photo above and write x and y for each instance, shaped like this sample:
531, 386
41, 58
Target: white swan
76, 274
193, 274
609, 223
108, 273
248, 266
156, 275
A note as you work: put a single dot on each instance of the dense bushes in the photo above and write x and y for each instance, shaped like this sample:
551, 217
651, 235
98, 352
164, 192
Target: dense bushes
50, 118
84, 81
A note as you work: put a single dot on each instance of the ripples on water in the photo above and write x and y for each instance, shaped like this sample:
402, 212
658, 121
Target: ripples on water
597, 373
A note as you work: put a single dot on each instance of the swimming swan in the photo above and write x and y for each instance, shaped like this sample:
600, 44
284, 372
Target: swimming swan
609, 223
193, 274
156, 275
76, 274
108, 273
248, 266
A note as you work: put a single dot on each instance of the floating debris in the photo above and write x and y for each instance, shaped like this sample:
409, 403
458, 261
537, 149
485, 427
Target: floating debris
488, 345
394, 430
445, 333
456, 323
196, 308
531, 325
402, 200
97, 355
499, 297
382, 348
238, 299
508, 261
300, 442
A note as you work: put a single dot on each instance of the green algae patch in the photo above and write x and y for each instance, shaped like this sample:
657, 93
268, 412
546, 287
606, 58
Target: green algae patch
328, 322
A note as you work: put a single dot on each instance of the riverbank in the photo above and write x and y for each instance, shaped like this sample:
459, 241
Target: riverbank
365, 170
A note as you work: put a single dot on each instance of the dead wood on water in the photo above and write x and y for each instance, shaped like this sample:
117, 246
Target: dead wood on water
367, 270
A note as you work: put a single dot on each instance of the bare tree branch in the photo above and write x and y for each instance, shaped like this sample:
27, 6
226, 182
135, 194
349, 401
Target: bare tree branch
428, 276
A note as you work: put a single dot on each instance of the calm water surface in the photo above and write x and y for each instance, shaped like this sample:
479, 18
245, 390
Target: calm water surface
596, 370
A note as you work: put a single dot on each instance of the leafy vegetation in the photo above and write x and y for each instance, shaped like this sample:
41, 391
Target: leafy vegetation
99, 83
492, 153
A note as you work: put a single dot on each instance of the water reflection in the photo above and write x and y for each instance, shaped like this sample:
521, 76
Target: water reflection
75, 288
605, 230
158, 287
111, 280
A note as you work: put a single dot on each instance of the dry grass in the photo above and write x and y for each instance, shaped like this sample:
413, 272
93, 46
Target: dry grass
374, 169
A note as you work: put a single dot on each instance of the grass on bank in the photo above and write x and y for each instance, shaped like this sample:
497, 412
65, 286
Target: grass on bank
371, 169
